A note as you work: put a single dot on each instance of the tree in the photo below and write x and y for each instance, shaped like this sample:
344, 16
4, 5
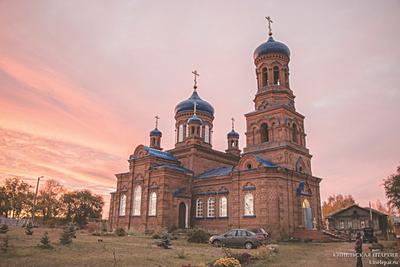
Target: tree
336, 202
68, 234
19, 196
45, 242
82, 205
29, 228
392, 189
5, 205
50, 199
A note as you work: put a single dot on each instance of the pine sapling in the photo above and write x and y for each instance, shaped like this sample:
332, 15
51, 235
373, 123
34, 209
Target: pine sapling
29, 228
45, 241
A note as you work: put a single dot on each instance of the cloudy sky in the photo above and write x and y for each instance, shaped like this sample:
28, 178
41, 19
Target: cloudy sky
81, 81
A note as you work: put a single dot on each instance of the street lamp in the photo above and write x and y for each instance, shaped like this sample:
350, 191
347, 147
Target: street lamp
34, 200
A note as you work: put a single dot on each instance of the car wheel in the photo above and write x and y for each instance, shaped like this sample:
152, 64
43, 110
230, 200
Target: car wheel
248, 245
217, 243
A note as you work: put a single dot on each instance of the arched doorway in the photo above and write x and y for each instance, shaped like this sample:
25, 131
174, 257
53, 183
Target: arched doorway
182, 216
307, 214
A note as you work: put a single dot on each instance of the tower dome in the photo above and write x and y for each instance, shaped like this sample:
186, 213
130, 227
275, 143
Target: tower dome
233, 134
271, 46
188, 105
155, 132
194, 120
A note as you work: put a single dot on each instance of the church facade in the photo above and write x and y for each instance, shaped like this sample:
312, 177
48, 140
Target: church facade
269, 184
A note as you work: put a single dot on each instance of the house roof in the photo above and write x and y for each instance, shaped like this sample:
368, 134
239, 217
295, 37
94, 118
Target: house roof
220, 171
171, 167
265, 163
355, 205
159, 153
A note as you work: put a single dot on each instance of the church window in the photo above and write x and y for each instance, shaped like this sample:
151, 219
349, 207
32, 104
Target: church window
294, 133
199, 208
223, 207
264, 133
122, 205
153, 204
249, 167
211, 207
248, 204
276, 75
207, 134
180, 133
137, 199
201, 131
264, 76
254, 135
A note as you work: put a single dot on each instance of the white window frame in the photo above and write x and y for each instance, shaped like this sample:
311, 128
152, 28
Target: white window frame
211, 207
137, 201
180, 133
223, 207
249, 204
153, 204
199, 208
122, 205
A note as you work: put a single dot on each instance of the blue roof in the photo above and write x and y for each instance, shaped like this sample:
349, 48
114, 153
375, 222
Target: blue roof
233, 134
188, 104
265, 163
159, 154
220, 171
194, 120
271, 46
171, 167
155, 132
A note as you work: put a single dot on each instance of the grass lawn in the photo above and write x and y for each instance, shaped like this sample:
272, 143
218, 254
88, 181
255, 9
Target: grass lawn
139, 250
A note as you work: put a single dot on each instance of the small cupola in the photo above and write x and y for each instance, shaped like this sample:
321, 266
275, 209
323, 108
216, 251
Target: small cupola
155, 136
194, 123
233, 141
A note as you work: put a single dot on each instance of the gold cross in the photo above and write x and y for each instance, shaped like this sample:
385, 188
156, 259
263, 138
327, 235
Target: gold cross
233, 123
157, 118
195, 78
269, 25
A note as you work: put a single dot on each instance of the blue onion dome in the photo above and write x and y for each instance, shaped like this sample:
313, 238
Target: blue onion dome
155, 132
271, 46
233, 134
188, 105
194, 120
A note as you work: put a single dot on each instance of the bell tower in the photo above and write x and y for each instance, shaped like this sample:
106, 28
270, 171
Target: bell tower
275, 130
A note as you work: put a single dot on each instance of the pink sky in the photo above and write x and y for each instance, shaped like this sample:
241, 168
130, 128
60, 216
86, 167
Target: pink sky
80, 83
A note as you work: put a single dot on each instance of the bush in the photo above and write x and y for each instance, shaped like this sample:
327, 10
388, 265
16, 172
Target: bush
29, 228
45, 242
227, 262
3, 228
243, 258
198, 236
68, 233
156, 236
120, 231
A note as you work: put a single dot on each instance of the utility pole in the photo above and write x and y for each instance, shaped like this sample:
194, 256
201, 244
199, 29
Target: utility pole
34, 200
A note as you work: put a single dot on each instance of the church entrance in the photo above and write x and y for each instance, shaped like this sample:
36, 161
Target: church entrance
307, 214
182, 216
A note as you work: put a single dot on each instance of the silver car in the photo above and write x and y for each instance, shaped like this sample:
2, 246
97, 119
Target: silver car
237, 238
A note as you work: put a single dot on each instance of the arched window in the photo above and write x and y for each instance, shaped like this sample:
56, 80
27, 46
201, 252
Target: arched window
137, 200
153, 204
207, 134
122, 205
294, 133
276, 75
223, 207
264, 133
264, 76
211, 207
253, 135
248, 204
199, 208
186, 127
180, 133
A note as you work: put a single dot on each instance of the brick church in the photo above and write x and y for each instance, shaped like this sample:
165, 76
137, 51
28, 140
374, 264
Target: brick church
269, 185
